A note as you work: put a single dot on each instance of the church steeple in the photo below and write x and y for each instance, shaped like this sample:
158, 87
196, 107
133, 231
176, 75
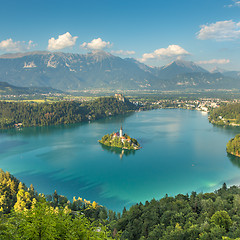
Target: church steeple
121, 132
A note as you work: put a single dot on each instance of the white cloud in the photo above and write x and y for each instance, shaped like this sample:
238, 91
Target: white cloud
122, 52
215, 61
30, 45
220, 31
9, 45
235, 3
63, 41
96, 44
172, 51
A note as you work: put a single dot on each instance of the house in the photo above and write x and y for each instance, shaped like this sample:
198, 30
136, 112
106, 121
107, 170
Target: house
116, 134
18, 125
119, 134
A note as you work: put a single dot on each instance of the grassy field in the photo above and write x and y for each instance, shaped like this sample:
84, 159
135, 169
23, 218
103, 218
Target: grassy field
51, 99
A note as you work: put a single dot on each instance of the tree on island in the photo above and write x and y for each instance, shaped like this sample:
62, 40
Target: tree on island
233, 146
120, 140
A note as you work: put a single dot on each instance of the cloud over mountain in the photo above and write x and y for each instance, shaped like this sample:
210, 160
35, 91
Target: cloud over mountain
124, 53
214, 61
63, 41
96, 44
172, 51
9, 45
220, 31
99, 69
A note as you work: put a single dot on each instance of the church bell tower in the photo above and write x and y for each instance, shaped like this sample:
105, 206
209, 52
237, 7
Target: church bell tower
121, 132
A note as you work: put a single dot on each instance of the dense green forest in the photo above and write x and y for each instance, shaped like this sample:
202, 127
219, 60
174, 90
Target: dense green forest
233, 146
64, 112
226, 115
28, 215
198, 216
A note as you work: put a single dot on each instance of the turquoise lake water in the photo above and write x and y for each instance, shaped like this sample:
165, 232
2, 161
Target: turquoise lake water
181, 152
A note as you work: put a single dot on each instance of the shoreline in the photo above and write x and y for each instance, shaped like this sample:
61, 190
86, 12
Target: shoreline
123, 148
234, 154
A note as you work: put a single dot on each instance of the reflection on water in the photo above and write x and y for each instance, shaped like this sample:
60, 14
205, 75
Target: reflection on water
227, 129
182, 152
235, 160
49, 130
118, 151
38, 131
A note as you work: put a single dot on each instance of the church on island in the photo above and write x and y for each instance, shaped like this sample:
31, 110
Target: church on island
120, 140
120, 135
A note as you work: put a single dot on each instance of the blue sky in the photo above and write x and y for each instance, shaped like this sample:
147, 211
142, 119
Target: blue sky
152, 31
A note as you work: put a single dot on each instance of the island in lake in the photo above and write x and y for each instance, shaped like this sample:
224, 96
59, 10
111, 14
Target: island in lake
233, 146
120, 140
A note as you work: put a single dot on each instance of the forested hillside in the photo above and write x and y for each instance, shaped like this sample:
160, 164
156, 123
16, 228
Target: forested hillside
233, 146
65, 112
198, 216
27, 215
226, 115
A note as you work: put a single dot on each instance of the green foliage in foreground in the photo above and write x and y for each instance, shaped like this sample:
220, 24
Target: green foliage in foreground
42, 221
198, 216
233, 146
64, 112
26, 215
225, 115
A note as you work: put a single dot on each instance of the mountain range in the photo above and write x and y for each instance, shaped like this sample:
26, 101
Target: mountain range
99, 69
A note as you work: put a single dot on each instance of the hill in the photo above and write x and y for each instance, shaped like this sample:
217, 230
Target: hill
233, 146
226, 115
232, 74
25, 214
198, 216
26, 114
99, 69
8, 89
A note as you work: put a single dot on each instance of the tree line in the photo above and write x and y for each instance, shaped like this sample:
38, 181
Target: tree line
225, 114
63, 112
25, 214
198, 216
233, 146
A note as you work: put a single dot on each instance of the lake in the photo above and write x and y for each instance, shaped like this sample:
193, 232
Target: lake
181, 152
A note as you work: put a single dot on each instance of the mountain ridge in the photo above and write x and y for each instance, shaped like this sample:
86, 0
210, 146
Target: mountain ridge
8, 89
99, 69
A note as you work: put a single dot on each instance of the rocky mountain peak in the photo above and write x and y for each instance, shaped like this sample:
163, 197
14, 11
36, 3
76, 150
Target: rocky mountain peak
217, 70
186, 66
100, 69
100, 55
